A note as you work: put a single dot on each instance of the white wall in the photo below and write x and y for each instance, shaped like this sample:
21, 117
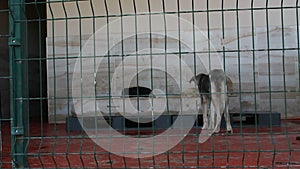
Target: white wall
245, 66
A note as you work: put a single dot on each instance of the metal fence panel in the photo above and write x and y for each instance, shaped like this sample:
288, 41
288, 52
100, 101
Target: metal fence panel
106, 84
19, 97
5, 78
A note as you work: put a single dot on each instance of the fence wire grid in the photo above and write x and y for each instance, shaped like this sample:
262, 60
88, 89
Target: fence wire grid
106, 83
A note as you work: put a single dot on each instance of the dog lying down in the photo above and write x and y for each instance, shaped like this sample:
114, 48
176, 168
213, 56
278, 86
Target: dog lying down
213, 90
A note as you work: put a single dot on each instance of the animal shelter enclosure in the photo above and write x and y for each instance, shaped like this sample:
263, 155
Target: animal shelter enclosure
107, 83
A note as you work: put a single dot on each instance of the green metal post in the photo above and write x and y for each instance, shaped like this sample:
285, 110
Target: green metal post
17, 95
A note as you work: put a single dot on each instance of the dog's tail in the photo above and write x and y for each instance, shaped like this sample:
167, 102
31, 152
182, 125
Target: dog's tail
219, 100
220, 103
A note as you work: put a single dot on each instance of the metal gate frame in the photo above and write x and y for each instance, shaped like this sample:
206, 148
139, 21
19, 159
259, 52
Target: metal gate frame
18, 83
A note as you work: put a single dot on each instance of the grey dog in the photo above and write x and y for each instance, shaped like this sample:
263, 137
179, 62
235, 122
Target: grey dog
213, 89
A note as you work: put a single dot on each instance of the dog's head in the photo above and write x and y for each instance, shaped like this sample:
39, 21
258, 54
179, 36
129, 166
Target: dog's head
197, 78
192, 80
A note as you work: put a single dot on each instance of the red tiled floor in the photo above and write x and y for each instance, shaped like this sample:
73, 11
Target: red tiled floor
278, 149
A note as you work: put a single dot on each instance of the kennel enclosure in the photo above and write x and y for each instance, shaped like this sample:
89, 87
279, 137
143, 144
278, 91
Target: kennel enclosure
72, 59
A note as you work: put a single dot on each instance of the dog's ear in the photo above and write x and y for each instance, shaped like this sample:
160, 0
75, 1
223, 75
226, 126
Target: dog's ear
195, 79
192, 79
229, 84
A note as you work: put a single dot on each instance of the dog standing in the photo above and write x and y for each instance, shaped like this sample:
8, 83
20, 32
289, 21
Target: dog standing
213, 93
203, 84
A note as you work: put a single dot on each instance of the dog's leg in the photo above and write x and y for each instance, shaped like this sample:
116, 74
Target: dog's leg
227, 117
218, 88
204, 110
212, 115
218, 111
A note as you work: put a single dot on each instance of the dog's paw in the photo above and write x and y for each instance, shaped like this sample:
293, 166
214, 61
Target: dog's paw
205, 127
230, 131
217, 130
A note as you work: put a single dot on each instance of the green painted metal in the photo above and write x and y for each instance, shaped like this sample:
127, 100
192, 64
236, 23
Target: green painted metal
19, 105
20, 99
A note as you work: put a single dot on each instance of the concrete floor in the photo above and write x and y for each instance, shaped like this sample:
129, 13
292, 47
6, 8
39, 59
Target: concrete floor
248, 147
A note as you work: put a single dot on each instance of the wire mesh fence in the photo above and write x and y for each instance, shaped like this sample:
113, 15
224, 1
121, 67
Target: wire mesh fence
107, 83
5, 77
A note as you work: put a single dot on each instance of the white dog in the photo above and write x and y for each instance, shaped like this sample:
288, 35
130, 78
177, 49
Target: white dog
213, 93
